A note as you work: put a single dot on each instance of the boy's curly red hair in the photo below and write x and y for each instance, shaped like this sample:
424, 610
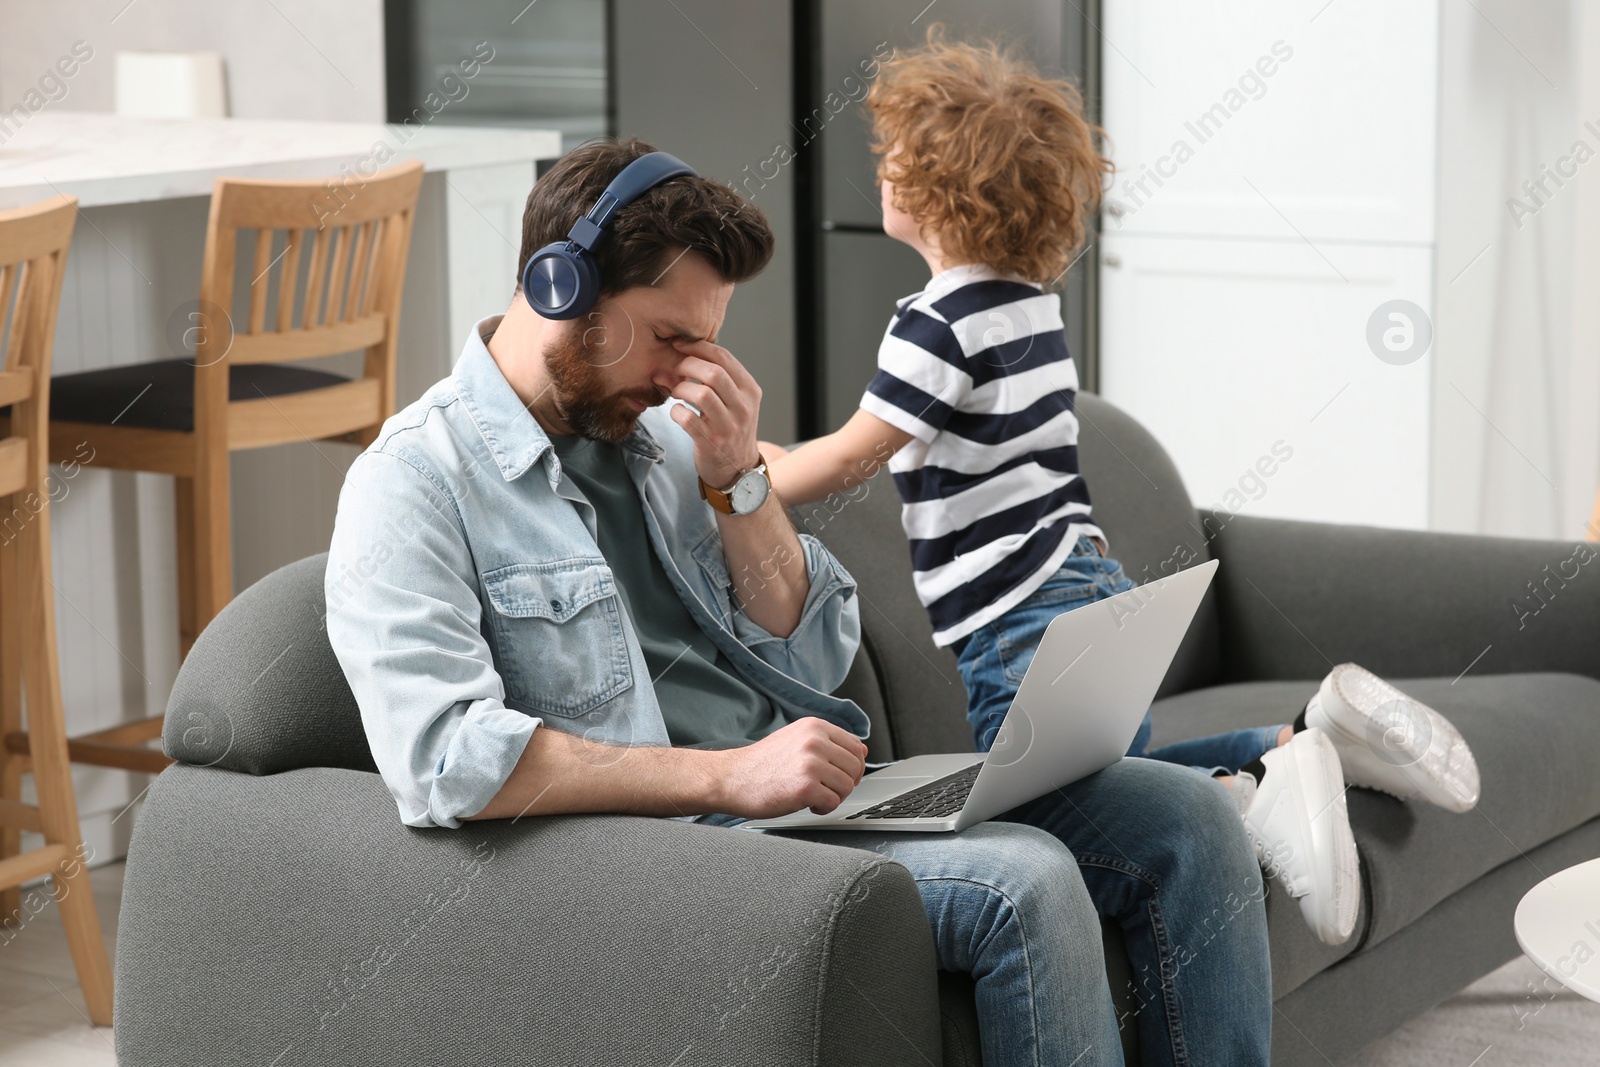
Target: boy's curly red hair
995, 159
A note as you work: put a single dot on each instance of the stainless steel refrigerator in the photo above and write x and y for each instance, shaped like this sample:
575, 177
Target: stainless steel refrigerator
766, 95
849, 273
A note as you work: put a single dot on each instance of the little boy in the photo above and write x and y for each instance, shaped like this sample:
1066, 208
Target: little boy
990, 172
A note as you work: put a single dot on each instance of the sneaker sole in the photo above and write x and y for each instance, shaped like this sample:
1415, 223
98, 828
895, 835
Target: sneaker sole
1335, 899
1393, 743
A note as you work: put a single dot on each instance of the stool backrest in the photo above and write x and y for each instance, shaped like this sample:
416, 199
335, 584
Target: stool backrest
327, 269
33, 253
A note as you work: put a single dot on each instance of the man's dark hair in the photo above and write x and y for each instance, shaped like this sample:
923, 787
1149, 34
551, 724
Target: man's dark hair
642, 239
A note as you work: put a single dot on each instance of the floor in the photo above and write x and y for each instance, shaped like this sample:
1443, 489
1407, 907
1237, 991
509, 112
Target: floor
1506, 1019
42, 1019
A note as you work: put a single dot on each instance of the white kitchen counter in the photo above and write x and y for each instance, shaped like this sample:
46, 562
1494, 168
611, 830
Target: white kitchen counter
102, 159
133, 275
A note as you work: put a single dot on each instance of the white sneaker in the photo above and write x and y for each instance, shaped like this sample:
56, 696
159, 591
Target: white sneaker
1301, 831
1390, 742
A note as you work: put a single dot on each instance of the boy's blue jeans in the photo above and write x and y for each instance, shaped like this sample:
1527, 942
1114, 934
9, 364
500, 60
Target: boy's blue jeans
995, 657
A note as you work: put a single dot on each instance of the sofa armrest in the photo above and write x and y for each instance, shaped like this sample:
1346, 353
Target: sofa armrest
292, 919
1298, 597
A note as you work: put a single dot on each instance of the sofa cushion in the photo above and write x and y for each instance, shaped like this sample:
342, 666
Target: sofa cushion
958, 1020
1534, 737
261, 691
862, 686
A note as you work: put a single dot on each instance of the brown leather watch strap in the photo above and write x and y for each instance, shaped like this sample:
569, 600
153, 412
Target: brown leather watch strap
716, 497
720, 499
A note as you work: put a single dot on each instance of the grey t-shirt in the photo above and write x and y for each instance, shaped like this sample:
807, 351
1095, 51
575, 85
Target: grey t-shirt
703, 700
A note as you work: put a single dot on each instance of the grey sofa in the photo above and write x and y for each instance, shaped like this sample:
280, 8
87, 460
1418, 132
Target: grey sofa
276, 912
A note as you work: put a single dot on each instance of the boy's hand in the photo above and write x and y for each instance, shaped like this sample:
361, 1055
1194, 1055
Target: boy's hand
730, 404
836, 463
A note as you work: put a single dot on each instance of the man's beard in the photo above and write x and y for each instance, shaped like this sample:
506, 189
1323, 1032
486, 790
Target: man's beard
580, 392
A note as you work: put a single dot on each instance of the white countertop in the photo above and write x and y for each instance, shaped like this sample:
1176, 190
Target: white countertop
103, 159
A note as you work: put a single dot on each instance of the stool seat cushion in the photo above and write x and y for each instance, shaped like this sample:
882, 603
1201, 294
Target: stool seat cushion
160, 395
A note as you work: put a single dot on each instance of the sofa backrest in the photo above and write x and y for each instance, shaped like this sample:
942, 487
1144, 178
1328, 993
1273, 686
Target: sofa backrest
1151, 524
261, 691
1139, 501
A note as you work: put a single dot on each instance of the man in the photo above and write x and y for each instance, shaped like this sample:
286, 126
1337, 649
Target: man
546, 602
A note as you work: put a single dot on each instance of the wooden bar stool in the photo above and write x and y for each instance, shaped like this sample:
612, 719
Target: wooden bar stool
328, 260
33, 253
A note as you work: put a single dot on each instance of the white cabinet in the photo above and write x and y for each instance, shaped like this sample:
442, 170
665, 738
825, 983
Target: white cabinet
1275, 187
1232, 351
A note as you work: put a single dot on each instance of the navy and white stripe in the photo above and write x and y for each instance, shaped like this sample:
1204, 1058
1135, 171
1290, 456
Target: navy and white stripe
976, 369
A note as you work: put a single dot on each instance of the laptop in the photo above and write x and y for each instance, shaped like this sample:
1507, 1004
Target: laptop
1077, 711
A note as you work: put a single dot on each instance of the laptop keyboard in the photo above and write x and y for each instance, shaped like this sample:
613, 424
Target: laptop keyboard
944, 796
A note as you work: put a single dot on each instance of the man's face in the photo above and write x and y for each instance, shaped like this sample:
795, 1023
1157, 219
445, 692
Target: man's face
619, 359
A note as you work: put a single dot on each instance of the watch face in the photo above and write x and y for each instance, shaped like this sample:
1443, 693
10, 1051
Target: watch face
749, 492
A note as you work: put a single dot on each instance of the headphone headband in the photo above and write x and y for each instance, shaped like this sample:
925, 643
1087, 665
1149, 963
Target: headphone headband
636, 179
562, 280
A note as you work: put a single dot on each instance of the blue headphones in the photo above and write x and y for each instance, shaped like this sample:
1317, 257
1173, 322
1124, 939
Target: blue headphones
562, 280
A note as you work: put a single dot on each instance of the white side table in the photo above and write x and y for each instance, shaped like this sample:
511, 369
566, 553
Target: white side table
1558, 926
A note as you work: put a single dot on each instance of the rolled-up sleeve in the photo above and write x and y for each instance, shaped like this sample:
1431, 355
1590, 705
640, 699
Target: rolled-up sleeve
404, 620
823, 644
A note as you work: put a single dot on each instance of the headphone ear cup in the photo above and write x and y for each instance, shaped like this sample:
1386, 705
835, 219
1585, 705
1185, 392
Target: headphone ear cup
561, 281
588, 284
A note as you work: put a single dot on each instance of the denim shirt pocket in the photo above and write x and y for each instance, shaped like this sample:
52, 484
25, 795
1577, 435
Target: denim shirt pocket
566, 616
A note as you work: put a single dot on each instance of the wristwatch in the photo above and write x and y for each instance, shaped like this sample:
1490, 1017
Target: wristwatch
747, 493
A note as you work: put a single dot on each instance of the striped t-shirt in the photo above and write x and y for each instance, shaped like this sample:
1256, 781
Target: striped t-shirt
975, 368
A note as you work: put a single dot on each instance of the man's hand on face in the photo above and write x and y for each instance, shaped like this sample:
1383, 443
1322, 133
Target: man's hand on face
729, 401
810, 763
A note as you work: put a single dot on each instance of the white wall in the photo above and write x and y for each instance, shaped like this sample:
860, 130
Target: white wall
1581, 468
1516, 394
300, 59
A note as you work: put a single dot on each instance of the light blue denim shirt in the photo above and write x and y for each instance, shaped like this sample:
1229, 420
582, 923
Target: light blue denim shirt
468, 601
